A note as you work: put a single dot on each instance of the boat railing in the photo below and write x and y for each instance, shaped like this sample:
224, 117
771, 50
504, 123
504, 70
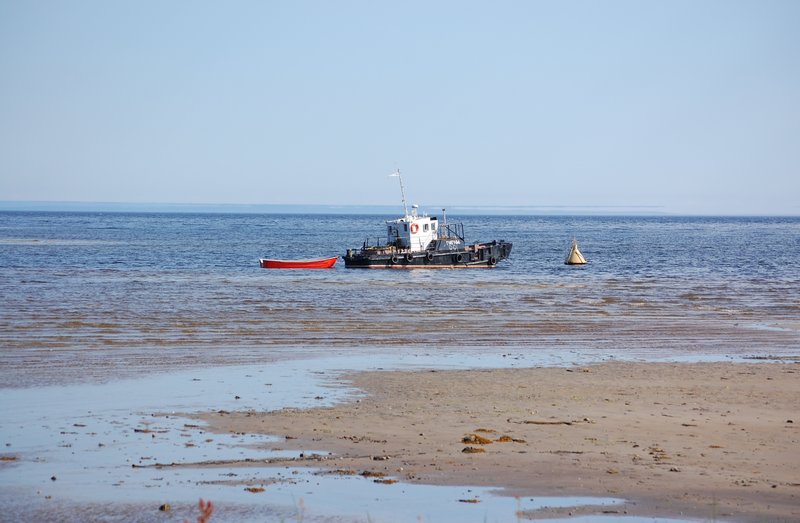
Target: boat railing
378, 244
451, 231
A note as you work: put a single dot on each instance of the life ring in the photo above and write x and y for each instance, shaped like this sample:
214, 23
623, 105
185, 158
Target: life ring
414, 228
409, 257
492, 260
429, 256
394, 259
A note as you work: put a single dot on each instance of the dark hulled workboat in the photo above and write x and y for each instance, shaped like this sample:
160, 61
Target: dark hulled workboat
421, 242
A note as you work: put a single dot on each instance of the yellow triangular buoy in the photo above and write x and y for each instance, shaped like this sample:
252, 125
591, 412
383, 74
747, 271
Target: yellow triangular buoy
575, 257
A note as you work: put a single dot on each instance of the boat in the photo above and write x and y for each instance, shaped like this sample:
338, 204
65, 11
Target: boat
318, 263
575, 257
417, 241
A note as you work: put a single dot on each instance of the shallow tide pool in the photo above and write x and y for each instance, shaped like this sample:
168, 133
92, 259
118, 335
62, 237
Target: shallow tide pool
94, 445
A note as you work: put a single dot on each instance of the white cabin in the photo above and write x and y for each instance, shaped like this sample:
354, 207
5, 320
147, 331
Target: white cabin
413, 232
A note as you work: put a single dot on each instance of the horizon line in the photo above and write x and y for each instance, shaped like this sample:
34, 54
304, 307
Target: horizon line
295, 208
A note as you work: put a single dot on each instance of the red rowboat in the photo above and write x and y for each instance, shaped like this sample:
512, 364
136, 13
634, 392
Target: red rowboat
320, 263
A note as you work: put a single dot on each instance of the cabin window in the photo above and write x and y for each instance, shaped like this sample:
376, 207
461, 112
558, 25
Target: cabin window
425, 227
405, 227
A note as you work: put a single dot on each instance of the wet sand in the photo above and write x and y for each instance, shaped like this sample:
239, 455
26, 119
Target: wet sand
699, 440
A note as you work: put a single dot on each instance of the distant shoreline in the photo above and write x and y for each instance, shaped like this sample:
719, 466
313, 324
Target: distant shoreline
487, 210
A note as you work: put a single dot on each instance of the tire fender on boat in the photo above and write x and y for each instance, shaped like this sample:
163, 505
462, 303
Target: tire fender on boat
492, 260
429, 256
459, 258
394, 259
409, 257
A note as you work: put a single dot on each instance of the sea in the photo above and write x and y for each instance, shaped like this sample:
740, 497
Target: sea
113, 293
100, 310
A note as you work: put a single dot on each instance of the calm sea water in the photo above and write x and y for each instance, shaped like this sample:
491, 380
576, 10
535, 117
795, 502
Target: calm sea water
95, 295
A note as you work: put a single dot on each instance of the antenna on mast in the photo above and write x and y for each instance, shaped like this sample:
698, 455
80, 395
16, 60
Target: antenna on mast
402, 191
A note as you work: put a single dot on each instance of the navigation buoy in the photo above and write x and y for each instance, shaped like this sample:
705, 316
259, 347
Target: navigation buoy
575, 257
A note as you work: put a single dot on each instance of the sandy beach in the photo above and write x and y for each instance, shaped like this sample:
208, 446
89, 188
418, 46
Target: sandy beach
700, 440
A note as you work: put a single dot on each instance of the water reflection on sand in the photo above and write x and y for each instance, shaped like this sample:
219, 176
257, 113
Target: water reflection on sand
95, 445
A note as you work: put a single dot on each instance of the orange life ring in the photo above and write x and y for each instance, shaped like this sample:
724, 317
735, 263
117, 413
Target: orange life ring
414, 228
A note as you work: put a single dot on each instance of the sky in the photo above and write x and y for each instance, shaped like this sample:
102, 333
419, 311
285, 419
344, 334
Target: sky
674, 106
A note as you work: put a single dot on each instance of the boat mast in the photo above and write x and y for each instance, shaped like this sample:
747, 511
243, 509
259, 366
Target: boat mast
402, 191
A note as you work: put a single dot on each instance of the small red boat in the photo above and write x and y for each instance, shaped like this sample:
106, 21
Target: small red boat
319, 263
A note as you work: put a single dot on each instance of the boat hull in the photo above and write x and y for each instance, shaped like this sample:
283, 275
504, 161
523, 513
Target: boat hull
320, 263
484, 255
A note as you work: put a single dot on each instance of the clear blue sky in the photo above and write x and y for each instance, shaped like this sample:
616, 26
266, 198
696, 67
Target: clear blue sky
686, 106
